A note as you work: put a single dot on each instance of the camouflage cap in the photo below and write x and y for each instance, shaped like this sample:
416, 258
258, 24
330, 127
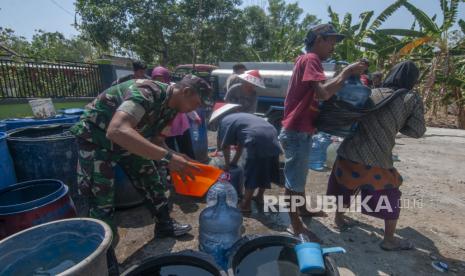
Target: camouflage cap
323, 30
201, 87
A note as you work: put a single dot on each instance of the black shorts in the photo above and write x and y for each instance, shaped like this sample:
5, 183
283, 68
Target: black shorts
260, 172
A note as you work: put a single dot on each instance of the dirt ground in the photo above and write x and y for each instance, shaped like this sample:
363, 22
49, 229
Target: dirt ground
434, 178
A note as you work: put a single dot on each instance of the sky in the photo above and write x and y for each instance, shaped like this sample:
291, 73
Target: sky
25, 16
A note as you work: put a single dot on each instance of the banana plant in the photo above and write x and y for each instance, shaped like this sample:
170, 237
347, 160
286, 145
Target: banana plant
442, 70
362, 38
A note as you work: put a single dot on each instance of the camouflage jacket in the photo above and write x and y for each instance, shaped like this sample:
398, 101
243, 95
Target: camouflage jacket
150, 98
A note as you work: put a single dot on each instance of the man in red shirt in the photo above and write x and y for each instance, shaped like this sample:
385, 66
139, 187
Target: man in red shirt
307, 86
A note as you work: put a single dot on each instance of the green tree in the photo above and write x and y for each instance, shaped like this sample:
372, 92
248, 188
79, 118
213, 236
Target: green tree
276, 34
193, 31
54, 46
11, 41
48, 46
162, 31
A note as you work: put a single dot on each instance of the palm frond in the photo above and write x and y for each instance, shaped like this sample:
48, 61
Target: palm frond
423, 19
385, 14
367, 45
390, 49
365, 19
450, 15
462, 25
444, 7
354, 28
401, 32
334, 18
347, 21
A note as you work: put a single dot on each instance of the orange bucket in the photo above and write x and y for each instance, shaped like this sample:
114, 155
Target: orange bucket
204, 179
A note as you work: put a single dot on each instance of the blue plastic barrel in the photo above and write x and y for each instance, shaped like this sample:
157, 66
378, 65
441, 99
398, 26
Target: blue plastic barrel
7, 171
31, 203
199, 137
45, 152
126, 196
24, 122
3, 127
65, 247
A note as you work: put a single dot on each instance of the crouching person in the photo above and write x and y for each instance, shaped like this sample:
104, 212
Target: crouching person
260, 141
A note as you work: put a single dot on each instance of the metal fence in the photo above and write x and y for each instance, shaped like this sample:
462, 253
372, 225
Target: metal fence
22, 78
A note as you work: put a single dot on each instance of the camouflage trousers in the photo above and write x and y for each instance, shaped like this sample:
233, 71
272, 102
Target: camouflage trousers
96, 178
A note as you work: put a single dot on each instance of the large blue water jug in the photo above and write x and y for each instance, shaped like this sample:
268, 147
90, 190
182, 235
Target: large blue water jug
219, 229
320, 143
223, 185
354, 92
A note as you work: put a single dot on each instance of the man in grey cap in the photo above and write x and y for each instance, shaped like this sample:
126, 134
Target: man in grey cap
306, 88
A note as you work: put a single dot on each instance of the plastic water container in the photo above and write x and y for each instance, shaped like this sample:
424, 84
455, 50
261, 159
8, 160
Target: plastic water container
45, 152
14, 123
219, 229
68, 247
31, 203
7, 170
310, 255
42, 108
320, 143
354, 92
220, 187
199, 137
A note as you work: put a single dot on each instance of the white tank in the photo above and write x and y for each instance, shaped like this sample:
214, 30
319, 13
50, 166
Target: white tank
276, 76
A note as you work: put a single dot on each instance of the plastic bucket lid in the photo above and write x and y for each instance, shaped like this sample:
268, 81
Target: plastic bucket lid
204, 179
73, 111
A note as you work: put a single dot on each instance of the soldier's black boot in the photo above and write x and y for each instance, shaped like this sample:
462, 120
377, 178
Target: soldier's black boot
166, 226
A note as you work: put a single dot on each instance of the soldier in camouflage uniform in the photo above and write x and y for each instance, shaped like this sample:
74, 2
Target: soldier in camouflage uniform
125, 125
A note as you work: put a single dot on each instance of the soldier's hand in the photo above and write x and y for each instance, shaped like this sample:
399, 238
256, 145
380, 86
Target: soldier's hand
183, 167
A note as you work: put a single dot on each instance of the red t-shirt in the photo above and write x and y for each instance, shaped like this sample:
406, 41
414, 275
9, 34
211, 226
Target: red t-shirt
301, 104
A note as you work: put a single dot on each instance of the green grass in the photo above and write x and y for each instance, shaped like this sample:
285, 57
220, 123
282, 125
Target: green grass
24, 110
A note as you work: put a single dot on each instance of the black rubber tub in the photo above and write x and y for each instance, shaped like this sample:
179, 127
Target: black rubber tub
184, 263
269, 255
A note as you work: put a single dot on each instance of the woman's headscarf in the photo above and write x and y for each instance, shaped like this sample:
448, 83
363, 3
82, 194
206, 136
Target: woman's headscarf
161, 72
402, 75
